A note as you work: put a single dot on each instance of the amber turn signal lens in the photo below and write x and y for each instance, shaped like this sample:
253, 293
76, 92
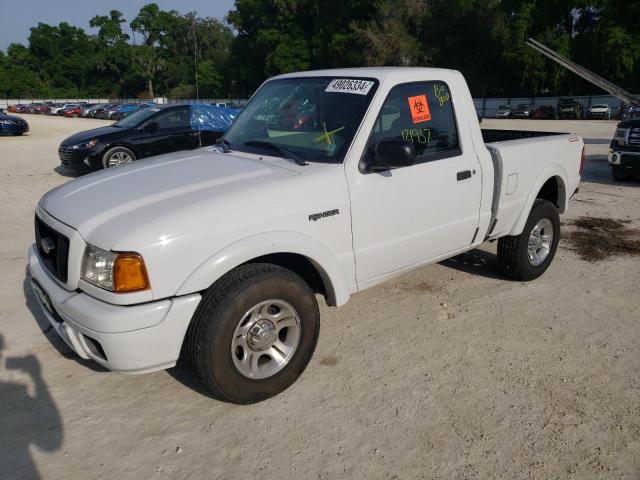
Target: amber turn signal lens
129, 273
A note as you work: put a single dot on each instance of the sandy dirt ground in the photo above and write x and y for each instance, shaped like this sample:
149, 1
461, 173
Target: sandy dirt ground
449, 372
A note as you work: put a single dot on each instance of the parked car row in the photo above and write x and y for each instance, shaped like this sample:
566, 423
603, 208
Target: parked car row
525, 110
105, 111
568, 108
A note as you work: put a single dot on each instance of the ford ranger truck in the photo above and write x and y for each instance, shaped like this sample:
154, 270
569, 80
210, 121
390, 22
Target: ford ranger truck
329, 182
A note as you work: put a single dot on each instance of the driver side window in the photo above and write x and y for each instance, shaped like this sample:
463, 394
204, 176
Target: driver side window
174, 118
420, 113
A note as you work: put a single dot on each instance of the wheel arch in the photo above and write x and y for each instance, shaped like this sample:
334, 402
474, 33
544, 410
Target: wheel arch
550, 185
304, 255
119, 143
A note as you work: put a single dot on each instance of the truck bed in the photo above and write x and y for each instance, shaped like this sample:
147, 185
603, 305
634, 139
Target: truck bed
490, 135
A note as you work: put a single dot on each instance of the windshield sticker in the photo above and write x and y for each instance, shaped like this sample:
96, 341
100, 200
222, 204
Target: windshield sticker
441, 94
345, 85
419, 108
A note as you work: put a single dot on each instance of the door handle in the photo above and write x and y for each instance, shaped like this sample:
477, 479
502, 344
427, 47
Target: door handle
464, 175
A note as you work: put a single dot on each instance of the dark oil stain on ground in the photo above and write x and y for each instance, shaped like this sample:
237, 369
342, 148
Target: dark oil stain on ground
596, 239
329, 361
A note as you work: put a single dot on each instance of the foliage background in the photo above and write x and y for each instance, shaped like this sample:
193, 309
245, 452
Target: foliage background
156, 52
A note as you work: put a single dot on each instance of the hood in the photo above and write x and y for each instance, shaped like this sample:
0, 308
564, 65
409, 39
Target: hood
632, 123
87, 135
12, 118
107, 205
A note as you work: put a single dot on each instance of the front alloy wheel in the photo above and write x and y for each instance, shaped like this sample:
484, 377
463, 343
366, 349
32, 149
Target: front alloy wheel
117, 156
265, 339
254, 332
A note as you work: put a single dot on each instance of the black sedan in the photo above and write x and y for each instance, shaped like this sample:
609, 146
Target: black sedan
11, 125
524, 110
145, 133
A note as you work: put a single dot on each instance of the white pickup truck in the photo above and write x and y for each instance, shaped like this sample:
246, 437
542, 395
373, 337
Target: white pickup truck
329, 182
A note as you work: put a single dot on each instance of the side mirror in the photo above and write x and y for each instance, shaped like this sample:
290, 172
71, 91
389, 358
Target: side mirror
151, 127
392, 153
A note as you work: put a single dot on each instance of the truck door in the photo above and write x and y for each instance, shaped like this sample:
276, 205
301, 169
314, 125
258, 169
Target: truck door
409, 215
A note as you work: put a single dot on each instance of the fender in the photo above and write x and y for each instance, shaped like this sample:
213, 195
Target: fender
550, 171
242, 251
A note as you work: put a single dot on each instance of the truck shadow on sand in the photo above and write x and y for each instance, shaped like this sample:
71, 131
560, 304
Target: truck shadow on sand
184, 372
25, 420
476, 262
49, 333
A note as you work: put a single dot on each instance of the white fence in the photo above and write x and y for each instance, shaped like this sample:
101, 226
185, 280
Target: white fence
4, 103
487, 107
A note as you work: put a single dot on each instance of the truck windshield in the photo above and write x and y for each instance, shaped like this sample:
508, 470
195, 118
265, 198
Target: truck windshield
309, 118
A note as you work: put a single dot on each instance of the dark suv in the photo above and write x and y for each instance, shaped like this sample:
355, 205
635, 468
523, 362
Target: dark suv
569, 108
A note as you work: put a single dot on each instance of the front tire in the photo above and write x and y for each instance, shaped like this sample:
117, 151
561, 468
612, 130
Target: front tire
254, 333
117, 156
528, 255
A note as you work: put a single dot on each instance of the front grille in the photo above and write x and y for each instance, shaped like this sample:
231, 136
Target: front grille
57, 257
66, 155
634, 136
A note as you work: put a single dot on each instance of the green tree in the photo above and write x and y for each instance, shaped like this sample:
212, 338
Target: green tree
151, 23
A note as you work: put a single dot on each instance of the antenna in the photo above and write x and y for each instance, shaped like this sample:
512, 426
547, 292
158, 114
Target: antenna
195, 63
588, 75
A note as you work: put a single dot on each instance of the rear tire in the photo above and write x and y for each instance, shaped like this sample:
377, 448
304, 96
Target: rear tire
526, 256
243, 364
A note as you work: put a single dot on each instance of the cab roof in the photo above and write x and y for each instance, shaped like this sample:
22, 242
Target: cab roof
401, 74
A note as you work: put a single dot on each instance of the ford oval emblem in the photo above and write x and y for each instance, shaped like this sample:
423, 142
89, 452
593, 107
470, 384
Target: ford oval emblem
47, 245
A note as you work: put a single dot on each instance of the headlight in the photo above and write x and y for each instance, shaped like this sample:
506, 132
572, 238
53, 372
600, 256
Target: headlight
86, 145
7, 122
621, 135
116, 272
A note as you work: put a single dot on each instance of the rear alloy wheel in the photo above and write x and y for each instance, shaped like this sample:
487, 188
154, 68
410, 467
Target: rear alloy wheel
117, 156
528, 255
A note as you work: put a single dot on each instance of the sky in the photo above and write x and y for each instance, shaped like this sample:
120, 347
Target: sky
17, 16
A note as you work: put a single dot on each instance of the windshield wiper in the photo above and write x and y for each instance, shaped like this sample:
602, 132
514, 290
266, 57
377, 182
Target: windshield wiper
277, 148
224, 144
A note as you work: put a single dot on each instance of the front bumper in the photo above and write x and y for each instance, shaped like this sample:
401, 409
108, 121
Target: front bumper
129, 339
80, 160
628, 160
